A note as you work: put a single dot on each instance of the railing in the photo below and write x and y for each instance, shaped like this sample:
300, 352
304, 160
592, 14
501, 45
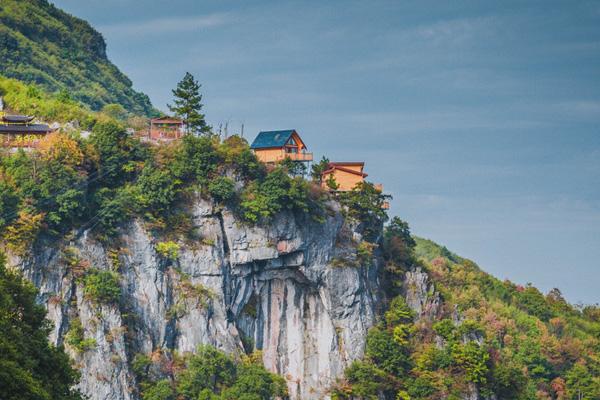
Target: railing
298, 156
20, 141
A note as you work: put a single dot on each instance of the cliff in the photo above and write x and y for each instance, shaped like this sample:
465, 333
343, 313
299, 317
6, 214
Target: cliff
261, 288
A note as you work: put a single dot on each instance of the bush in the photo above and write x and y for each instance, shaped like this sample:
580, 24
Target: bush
101, 286
75, 337
385, 352
263, 200
365, 204
169, 250
222, 189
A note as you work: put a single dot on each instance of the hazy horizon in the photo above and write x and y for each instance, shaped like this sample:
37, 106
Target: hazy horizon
481, 119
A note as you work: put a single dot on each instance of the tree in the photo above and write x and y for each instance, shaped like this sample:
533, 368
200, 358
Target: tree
317, 169
30, 367
188, 105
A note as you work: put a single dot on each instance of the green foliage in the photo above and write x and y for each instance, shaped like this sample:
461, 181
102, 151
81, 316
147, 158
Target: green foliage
398, 312
213, 375
278, 192
582, 383
294, 168
188, 105
366, 381
472, 358
101, 286
365, 204
318, 168
41, 44
209, 369
533, 302
510, 341
161, 390
116, 152
75, 337
387, 353
9, 202
222, 189
364, 252
30, 367
169, 250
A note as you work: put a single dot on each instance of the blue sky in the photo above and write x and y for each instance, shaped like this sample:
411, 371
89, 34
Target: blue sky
482, 119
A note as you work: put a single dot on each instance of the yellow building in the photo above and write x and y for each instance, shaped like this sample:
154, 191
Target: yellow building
346, 174
275, 146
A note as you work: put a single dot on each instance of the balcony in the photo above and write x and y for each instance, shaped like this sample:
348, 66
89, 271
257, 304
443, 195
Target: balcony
24, 141
298, 156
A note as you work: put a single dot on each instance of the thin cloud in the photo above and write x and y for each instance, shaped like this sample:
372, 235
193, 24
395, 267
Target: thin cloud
162, 26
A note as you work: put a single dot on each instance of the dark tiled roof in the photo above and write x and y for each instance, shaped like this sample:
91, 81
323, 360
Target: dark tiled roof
33, 128
271, 139
16, 118
171, 120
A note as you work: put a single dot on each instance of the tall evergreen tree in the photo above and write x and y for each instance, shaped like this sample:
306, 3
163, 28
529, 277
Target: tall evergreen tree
188, 105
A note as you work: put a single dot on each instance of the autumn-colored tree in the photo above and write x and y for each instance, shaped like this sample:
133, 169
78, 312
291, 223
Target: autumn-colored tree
60, 148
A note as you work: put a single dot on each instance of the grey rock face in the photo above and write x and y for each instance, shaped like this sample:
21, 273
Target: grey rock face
237, 287
421, 295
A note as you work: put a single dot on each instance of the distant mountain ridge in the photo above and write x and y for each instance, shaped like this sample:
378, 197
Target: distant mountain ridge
39, 43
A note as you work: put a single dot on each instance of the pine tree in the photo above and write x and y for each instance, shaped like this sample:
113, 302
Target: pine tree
188, 105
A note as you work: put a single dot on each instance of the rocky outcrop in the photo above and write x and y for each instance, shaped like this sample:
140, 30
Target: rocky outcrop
421, 295
237, 287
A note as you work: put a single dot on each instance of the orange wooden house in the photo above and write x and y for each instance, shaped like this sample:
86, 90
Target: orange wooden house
19, 131
166, 129
346, 174
275, 146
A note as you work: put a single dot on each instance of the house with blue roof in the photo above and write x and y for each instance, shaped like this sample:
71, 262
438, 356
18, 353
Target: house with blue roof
276, 146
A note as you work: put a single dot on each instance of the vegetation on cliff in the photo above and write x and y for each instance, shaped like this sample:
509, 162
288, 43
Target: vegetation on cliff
42, 44
30, 368
209, 374
486, 336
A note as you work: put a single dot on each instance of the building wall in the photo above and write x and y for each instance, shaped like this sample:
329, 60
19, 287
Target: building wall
269, 155
345, 180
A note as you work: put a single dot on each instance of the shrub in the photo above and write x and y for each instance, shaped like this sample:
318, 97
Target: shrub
209, 369
389, 355
169, 250
262, 201
101, 286
473, 359
365, 204
222, 189
75, 337
161, 390
364, 253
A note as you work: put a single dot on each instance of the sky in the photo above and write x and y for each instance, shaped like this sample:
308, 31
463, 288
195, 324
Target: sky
481, 118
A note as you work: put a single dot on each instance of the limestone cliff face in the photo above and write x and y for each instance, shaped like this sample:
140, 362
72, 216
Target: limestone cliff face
269, 288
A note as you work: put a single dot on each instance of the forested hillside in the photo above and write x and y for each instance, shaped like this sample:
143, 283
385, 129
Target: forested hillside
461, 333
42, 44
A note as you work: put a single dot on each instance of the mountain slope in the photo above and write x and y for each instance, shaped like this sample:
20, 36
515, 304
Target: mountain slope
452, 331
42, 44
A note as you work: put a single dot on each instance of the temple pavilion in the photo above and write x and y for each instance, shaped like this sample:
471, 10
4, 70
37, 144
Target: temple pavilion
20, 131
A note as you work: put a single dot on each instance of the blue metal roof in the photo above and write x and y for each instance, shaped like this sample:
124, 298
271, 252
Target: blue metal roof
271, 139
